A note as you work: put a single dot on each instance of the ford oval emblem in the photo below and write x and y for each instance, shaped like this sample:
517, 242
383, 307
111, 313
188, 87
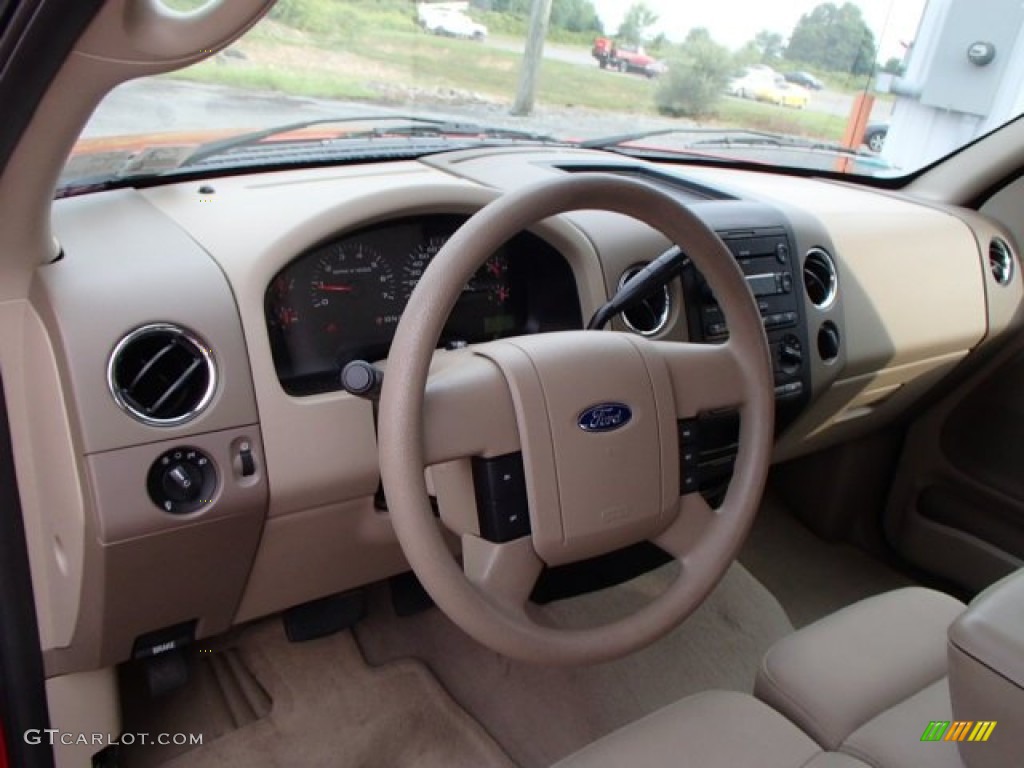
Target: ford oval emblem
605, 417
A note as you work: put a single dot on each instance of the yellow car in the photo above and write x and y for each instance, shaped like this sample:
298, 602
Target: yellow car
782, 93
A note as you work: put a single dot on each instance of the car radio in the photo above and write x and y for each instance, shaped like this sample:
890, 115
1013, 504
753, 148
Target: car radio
766, 258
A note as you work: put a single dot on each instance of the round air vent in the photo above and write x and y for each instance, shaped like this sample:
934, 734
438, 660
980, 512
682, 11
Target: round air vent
820, 279
162, 375
1000, 261
650, 316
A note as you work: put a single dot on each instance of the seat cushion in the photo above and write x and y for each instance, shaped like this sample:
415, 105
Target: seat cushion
834, 676
893, 738
717, 729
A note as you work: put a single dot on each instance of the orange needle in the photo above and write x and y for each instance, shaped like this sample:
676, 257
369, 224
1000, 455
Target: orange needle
335, 288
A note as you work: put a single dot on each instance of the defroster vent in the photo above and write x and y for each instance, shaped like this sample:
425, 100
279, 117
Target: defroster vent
162, 374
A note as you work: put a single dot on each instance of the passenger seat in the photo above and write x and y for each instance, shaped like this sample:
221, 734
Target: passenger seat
866, 681
855, 689
716, 729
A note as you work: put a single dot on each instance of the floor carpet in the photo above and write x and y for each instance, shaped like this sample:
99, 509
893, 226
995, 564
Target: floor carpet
540, 714
809, 576
328, 708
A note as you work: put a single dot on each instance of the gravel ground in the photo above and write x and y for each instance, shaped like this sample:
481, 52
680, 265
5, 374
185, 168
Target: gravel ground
159, 104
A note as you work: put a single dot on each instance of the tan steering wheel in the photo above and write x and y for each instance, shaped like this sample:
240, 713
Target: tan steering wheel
589, 491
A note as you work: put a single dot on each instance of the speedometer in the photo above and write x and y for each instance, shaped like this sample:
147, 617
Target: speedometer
417, 261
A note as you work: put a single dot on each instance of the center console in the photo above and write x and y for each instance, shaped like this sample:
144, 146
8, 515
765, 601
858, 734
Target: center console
986, 674
766, 256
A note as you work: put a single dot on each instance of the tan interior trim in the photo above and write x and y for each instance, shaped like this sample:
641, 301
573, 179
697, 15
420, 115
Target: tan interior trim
84, 704
49, 471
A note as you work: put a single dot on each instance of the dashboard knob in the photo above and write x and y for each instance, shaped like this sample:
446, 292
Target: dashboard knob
182, 482
791, 354
362, 379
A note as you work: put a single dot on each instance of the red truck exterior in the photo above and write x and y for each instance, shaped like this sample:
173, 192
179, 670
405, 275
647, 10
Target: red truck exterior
624, 58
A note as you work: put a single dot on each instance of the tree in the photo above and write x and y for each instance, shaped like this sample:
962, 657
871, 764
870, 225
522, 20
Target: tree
571, 15
696, 77
835, 38
638, 19
770, 45
576, 16
697, 35
894, 66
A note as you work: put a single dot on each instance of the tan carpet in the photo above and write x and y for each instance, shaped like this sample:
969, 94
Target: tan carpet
330, 709
810, 577
221, 696
540, 714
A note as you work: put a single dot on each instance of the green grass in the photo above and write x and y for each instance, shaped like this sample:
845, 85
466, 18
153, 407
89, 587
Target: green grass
297, 82
774, 119
470, 66
398, 57
378, 53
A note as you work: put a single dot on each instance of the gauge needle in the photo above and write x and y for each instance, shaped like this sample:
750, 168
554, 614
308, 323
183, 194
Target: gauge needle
334, 288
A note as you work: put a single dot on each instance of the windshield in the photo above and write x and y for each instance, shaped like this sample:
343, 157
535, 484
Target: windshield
868, 87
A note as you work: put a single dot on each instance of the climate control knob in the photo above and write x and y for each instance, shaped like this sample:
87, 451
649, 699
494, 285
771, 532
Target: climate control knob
791, 354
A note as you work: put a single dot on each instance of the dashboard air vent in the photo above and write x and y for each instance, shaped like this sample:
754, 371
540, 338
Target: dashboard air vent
651, 315
820, 279
1000, 261
162, 375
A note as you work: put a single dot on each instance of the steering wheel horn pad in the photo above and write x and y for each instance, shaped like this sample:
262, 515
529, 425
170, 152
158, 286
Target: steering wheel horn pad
591, 492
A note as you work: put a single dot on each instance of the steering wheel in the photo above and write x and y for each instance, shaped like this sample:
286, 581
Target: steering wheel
595, 416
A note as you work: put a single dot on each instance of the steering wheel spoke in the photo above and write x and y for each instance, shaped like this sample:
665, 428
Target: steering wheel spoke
690, 527
704, 376
506, 572
467, 410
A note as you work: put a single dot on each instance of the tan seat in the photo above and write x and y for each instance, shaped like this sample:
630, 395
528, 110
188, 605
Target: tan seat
867, 680
717, 729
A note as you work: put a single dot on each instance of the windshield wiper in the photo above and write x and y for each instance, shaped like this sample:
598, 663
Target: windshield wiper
383, 127
718, 138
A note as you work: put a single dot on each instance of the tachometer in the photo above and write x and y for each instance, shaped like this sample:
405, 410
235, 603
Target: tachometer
353, 276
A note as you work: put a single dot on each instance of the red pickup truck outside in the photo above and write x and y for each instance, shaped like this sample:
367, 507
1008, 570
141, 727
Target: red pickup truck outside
625, 58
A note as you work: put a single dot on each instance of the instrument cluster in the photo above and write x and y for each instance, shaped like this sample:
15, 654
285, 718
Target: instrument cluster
342, 300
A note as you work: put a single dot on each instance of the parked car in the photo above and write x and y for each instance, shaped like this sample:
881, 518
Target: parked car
782, 94
804, 79
874, 136
450, 23
626, 58
750, 81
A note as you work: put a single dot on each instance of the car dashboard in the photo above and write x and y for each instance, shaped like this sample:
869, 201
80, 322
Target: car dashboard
234, 477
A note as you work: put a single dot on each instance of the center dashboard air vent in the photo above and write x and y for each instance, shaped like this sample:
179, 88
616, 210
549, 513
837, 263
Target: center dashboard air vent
1000, 261
820, 278
651, 315
162, 375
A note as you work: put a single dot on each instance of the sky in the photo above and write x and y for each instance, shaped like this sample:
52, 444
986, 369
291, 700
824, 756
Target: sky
734, 22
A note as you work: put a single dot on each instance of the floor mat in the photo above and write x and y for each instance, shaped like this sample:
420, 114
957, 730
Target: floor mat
330, 709
540, 714
221, 696
809, 576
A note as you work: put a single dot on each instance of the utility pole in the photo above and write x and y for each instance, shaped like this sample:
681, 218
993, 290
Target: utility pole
540, 15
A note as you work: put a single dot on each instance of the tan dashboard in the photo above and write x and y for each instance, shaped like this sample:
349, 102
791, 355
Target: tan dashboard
287, 481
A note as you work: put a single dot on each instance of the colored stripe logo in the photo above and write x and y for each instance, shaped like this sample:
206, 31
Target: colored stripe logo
959, 730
